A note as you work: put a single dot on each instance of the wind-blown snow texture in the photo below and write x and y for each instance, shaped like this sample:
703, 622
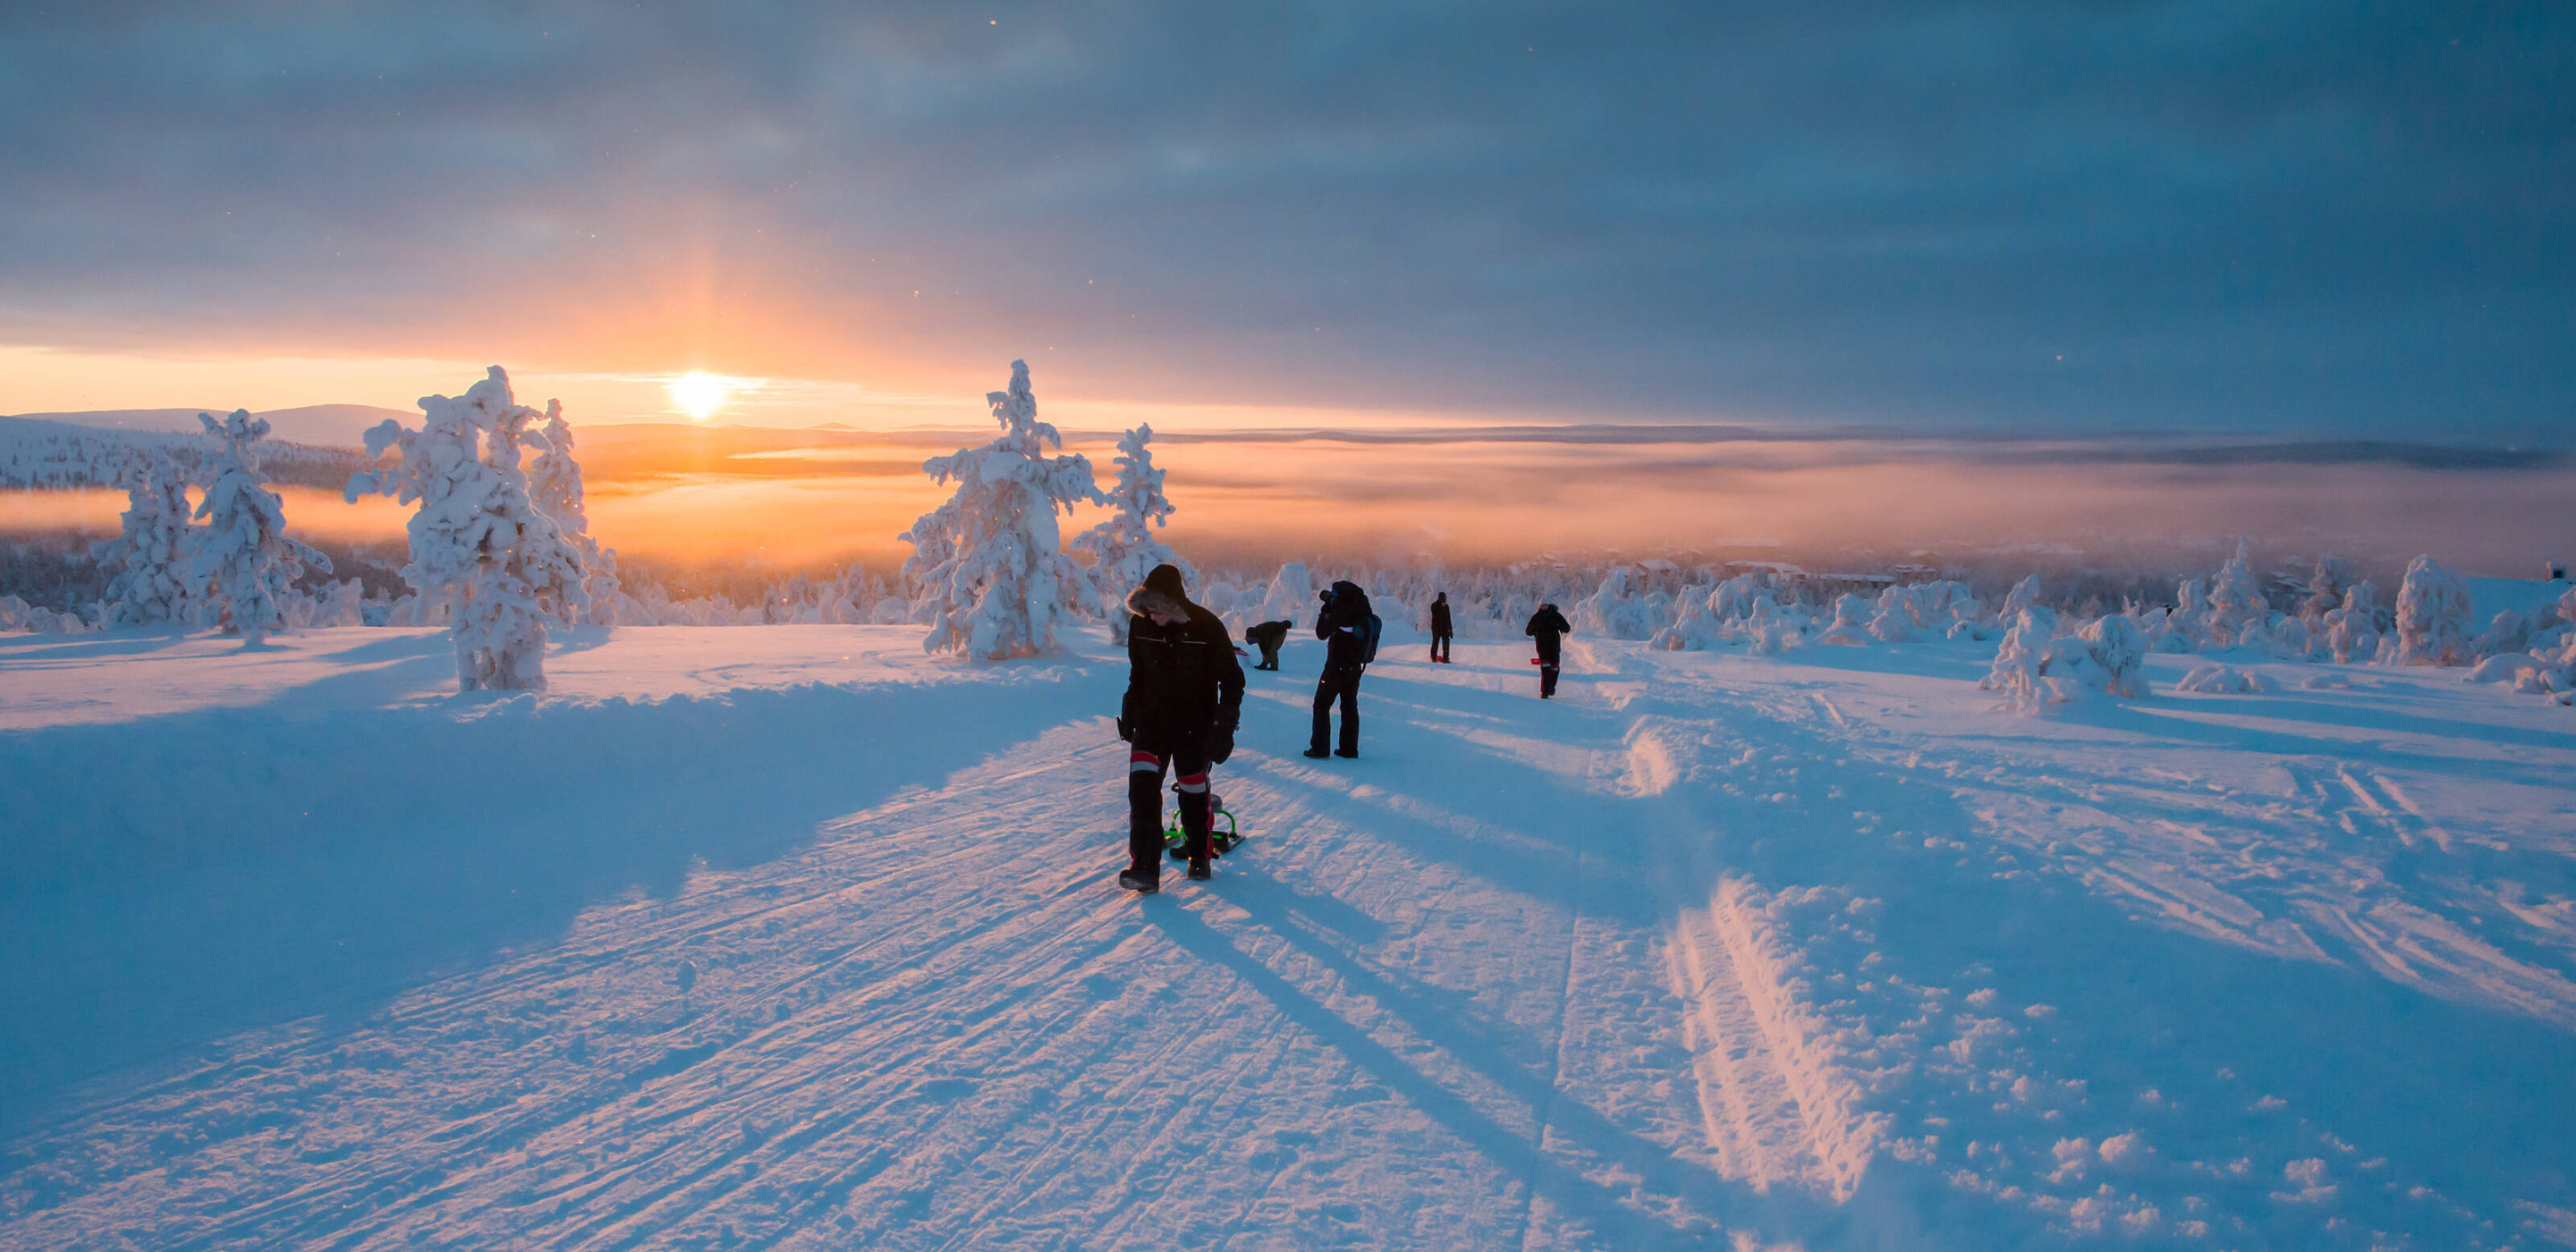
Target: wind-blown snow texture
795, 937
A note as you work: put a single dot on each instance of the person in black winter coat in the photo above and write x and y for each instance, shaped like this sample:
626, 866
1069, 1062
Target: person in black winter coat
1343, 626
1184, 699
1440, 629
1547, 626
1267, 636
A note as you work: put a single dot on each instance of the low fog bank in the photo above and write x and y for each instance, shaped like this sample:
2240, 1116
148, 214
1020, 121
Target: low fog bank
724, 510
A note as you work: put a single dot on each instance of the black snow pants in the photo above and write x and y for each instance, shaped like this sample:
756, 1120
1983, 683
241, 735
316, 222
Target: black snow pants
1342, 685
1269, 653
1440, 647
1547, 657
1145, 769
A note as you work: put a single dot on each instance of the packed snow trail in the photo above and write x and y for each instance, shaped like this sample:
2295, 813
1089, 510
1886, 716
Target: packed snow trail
1710, 952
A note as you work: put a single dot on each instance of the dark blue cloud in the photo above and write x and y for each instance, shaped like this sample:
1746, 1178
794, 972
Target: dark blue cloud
2333, 217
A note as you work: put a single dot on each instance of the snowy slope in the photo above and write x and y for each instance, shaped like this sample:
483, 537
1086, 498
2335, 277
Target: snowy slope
791, 937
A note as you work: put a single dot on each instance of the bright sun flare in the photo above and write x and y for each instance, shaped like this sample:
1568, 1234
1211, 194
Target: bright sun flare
699, 393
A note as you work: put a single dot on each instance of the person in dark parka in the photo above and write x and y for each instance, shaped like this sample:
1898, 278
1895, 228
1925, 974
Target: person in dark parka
1184, 699
1267, 636
1548, 627
1342, 625
1440, 629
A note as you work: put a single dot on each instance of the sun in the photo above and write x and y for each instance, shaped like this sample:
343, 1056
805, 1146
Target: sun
699, 394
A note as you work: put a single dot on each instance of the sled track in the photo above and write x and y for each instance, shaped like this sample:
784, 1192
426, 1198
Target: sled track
1774, 1104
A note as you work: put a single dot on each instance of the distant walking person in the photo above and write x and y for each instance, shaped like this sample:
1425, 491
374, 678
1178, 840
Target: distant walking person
1349, 632
1267, 636
1440, 629
1184, 697
1548, 627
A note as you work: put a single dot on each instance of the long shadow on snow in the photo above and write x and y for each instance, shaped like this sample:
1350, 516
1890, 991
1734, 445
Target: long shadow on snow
39, 651
2471, 1100
1782, 1213
273, 866
1524, 830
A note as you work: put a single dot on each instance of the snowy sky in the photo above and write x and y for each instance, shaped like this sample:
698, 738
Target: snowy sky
2047, 217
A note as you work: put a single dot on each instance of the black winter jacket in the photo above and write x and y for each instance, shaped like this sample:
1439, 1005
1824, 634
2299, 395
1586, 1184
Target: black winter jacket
1546, 626
1440, 618
1266, 634
1181, 679
1341, 624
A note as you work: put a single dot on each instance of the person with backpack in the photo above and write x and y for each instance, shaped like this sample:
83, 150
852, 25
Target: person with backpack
1267, 636
1349, 632
1547, 626
1440, 629
1184, 700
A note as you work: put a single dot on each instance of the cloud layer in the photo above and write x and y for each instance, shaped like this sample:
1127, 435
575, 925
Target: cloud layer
2335, 218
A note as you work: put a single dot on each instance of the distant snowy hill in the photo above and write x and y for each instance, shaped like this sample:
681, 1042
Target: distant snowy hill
319, 425
45, 454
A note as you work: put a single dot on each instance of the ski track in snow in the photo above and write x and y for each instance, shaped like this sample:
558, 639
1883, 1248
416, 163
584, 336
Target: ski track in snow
1713, 951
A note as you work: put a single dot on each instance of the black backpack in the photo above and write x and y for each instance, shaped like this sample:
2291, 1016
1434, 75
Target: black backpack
1369, 631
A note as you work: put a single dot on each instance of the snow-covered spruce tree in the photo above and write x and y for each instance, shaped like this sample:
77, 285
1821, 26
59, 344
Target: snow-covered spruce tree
986, 564
2433, 616
244, 563
554, 486
1123, 548
482, 553
151, 557
2237, 609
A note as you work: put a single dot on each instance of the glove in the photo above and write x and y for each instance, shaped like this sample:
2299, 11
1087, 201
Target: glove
1221, 735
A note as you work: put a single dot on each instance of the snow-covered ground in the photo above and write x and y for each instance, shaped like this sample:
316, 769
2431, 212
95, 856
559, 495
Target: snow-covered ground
792, 937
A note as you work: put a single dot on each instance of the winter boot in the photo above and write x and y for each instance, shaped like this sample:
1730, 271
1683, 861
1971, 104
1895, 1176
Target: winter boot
1199, 871
1317, 753
1139, 882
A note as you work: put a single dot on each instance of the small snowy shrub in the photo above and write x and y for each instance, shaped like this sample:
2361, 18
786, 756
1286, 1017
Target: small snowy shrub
555, 488
2024, 595
2021, 663
1291, 593
2353, 629
1892, 619
2236, 606
992, 581
2433, 616
1850, 628
152, 555
484, 558
2036, 667
1621, 608
1774, 627
2507, 631
244, 562
2190, 619
2223, 680
1123, 548
2327, 583
2119, 651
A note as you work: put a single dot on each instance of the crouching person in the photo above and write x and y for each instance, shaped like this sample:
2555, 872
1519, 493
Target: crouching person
1184, 697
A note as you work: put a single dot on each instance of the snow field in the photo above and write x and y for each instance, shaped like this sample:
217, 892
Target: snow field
793, 937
